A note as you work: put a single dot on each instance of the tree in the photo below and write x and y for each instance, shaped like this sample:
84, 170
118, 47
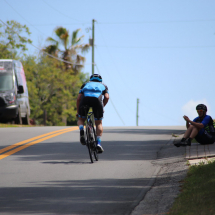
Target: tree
5, 53
13, 39
67, 48
51, 90
70, 50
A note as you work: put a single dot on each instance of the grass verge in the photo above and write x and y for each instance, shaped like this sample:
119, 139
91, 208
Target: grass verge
197, 195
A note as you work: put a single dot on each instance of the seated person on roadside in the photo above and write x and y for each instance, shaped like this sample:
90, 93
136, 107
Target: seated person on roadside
91, 94
202, 128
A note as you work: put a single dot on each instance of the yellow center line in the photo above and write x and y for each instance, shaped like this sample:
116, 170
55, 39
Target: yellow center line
29, 140
43, 137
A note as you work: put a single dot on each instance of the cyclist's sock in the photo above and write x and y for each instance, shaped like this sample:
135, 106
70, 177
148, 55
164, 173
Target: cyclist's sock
99, 147
98, 139
82, 138
81, 127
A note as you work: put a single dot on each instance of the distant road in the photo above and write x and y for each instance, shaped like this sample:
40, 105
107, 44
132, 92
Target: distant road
49, 172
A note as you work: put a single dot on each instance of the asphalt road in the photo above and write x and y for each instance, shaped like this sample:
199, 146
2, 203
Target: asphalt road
53, 174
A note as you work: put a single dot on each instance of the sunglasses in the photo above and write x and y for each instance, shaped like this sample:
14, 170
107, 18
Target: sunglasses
200, 111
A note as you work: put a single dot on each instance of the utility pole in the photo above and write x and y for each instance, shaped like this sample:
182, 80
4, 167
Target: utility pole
93, 46
137, 112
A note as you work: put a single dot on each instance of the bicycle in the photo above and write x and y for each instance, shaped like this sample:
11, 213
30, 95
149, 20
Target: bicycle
90, 137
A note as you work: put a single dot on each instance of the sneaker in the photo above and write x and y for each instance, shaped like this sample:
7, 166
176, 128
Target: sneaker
181, 143
82, 138
99, 148
178, 144
186, 143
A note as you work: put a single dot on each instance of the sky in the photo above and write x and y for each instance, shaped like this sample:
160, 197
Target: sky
161, 52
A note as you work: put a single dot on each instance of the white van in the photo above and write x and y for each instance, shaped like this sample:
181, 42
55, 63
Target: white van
14, 102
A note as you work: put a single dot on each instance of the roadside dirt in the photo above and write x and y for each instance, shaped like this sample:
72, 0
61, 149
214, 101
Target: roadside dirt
166, 187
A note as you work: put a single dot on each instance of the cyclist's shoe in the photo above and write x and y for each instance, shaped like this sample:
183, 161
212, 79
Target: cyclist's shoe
181, 143
99, 148
186, 143
177, 144
82, 138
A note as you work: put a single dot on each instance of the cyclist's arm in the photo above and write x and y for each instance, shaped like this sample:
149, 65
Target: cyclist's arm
106, 98
196, 124
187, 124
79, 97
203, 124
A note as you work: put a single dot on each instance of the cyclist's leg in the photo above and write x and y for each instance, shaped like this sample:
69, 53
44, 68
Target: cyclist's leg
81, 128
81, 119
96, 104
99, 131
98, 115
191, 132
99, 128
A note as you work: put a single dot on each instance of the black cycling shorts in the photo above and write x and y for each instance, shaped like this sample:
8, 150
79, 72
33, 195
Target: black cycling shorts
95, 103
205, 138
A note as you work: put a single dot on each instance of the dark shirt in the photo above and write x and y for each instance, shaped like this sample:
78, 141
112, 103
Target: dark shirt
207, 121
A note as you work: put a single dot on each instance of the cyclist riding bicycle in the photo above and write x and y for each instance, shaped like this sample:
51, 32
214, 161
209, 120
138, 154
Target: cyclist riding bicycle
91, 94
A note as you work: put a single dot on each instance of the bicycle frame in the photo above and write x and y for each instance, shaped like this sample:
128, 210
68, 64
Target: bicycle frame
91, 135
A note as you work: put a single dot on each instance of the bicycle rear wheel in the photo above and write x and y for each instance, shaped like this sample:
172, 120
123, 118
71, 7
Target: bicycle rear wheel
95, 152
88, 143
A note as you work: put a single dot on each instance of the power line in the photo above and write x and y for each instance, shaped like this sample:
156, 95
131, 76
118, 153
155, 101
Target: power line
111, 100
60, 11
158, 47
131, 23
61, 24
121, 76
52, 56
117, 111
23, 17
113, 82
154, 22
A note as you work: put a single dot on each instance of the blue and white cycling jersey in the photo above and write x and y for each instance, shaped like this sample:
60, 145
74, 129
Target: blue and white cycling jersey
93, 89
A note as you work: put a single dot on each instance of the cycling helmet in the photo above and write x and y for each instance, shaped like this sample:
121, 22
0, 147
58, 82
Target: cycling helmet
201, 107
96, 77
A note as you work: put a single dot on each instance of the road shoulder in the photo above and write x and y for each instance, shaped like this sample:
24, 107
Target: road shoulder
166, 187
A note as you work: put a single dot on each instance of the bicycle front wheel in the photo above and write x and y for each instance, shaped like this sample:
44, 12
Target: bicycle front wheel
88, 143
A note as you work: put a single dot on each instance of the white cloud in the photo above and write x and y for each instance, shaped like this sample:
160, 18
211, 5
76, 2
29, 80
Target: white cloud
189, 109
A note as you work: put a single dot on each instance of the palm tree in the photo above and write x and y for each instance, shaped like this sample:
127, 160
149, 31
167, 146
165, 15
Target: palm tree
71, 50
53, 48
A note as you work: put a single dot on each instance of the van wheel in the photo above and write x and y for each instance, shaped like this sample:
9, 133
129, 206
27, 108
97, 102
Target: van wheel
26, 120
18, 119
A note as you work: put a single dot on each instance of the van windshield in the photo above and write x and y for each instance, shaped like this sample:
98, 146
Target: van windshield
6, 82
6, 66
